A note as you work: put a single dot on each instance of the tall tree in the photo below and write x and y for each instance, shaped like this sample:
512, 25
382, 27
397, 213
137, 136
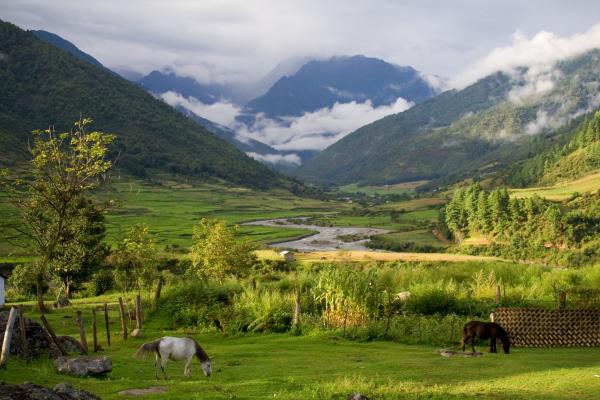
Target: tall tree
63, 168
216, 253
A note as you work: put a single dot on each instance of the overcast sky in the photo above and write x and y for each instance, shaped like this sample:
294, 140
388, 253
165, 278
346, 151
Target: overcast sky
242, 40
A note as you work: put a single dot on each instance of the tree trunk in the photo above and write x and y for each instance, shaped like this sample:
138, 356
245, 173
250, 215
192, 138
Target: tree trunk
68, 290
40, 294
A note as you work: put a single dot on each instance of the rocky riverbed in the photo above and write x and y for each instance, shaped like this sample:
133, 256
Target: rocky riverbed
325, 238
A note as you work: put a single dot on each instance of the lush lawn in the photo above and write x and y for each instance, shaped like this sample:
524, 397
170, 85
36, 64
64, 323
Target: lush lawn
422, 237
400, 188
324, 367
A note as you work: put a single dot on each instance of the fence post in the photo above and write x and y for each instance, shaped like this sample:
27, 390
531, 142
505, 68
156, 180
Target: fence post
562, 300
497, 295
138, 312
23, 335
106, 323
82, 332
297, 309
8, 336
94, 330
123, 323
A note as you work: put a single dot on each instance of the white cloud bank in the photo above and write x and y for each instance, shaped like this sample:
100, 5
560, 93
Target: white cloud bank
319, 129
539, 53
223, 113
276, 158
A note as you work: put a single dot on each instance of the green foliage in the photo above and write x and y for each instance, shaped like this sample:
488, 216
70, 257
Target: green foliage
135, 259
101, 282
216, 253
56, 224
579, 155
530, 227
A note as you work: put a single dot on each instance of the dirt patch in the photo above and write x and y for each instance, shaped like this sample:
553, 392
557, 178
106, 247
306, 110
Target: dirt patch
143, 392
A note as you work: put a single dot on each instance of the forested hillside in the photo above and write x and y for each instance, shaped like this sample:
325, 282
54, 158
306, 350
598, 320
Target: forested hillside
41, 85
483, 128
575, 156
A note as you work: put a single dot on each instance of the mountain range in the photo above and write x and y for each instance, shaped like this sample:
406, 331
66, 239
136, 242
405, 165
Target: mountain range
470, 132
498, 122
42, 85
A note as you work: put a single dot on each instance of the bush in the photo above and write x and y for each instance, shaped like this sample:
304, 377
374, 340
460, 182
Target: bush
101, 282
23, 280
431, 302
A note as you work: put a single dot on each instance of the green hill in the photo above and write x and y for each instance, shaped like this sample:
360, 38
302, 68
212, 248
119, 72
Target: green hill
41, 85
483, 128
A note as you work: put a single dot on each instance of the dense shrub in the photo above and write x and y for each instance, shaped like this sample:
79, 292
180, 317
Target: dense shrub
101, 282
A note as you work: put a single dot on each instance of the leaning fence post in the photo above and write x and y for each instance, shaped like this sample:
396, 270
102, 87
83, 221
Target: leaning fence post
158, 290
107, 324
52, 335
8, 336
123, 323
82, 332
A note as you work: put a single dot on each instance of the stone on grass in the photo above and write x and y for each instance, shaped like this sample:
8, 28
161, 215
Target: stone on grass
68, 390
83, 365
70, 344
38, 341
357, 396
29, 391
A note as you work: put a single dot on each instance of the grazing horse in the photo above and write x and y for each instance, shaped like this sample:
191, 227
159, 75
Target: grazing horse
176, 349
485, 330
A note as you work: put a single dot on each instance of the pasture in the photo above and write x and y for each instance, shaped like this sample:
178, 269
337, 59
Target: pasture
561, 191
320, 366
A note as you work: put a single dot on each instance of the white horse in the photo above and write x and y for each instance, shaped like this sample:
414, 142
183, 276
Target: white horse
176, 349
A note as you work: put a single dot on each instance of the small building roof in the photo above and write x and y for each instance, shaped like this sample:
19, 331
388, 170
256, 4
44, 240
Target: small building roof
284, 252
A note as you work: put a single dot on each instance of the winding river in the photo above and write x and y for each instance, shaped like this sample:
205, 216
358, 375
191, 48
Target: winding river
325, 239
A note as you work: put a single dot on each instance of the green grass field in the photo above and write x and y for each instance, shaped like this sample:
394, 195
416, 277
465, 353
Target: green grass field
562, 191
400, 188
281, 366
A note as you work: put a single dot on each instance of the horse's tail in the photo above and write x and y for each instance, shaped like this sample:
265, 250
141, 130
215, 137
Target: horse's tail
147, 348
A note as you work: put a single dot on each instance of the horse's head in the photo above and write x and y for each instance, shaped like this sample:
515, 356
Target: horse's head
206, 368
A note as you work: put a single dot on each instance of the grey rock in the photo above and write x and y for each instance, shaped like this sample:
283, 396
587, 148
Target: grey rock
70, 344
38, 341
66, 389
29, 391
136, 333
83, 365
357, 396
61, 303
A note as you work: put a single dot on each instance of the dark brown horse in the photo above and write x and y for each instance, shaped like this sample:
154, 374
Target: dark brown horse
485, 330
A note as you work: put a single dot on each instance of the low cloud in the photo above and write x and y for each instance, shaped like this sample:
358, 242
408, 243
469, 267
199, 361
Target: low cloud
276, 158
543, 121
532, 82
538, 53
319, 129
223, 113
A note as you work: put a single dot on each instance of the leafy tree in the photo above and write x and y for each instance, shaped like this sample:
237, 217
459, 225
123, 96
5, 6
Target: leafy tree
64, 167
81, 249
216, 253
136, 259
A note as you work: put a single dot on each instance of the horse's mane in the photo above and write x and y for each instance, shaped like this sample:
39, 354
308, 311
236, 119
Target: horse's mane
200, 353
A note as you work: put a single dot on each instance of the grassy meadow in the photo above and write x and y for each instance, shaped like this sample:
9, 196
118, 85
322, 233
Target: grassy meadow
320, 366
561, 191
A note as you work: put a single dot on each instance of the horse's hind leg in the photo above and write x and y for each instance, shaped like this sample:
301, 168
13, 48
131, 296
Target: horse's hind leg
464, 340
493, 345
473, 343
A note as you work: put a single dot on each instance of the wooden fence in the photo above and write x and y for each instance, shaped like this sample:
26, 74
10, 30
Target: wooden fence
533, 327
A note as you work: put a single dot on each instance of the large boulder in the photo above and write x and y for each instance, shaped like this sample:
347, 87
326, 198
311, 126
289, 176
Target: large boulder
29, 391
70, 344
83, 365
38, 341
